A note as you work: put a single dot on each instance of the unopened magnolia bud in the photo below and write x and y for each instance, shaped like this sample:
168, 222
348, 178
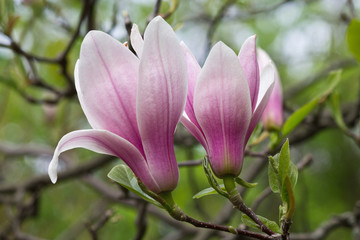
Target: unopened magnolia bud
272, 117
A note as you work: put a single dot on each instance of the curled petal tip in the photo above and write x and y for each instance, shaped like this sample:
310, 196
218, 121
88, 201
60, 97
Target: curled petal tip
52, 170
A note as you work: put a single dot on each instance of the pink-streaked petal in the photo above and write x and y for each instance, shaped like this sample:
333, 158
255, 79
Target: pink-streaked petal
272, 116
106, 78
161, 99
263, 58
193, 70
105, 142
136, 40
194, 130
249, 63
223, 109
267, 79
266, 87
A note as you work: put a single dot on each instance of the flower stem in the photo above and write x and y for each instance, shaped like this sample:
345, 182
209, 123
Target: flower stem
287, 221
167, 201
178, 214
236, 200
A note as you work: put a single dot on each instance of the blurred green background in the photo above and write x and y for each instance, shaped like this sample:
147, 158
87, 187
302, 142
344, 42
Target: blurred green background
306, 39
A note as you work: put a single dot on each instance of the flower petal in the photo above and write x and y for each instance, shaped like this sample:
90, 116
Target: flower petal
272, 116
161, 99
223, 109
249, 63
266, 87
106, 79
194, 130
136, 40
102, 141
193, 70
188, 119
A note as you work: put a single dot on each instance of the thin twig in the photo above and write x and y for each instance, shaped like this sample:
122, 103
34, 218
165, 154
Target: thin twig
141, 221
351, 5
190, 163
155, 11
94, 229
226, 213
215, 22
44, 181
343, 220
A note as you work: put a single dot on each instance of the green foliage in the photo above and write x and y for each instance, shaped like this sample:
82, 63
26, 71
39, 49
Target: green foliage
336, 110
299, 115
123, 175
219, 188
6, 12
282, 179
270, 224
331, 83
207, 192
284, 160
45, 27
274, 181
244, 183
353, 38
211, 179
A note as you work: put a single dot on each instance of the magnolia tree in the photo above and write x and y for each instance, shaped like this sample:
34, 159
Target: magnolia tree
155, 104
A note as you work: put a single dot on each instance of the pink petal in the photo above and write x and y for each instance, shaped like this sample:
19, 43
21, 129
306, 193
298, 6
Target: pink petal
272, 116
248, 61
106, 79
193, 70
223, 109
136, 40
161, 99
102, 141
194, 130
188, 119
266, 87
263, 58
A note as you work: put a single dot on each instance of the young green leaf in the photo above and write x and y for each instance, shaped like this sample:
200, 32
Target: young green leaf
244, 183
331, 82
299, 115
207, 192
287, 196
284, 197
274, 161
123, 175
6, 10
293, 174
353, 38
274, 181
284, 162
270, 224
336, 111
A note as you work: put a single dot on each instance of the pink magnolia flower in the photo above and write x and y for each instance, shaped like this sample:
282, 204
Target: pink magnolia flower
272, 117
225, 101
133, 104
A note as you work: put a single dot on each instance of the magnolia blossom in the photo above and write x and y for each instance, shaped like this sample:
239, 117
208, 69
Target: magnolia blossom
225, 101
133, 104
272, 117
